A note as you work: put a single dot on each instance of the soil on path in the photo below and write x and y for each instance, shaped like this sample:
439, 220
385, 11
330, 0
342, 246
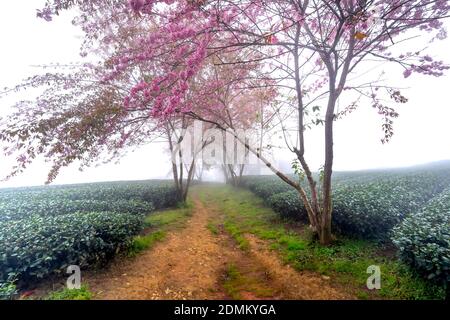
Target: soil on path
185, 265
193, 263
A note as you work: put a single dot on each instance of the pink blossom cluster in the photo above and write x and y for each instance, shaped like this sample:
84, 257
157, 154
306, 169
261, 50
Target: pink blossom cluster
175, 52
427, 67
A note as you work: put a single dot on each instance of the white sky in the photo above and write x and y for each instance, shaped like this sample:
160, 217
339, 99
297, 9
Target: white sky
421, 133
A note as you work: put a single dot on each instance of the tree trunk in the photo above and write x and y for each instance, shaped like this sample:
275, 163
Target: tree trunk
178, 187
225, 174
325, 235
189, 180
234, 179
327, 205
241, 173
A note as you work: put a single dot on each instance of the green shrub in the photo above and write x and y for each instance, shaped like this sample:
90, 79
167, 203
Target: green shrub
39, 246
265, 186
365, 205
371, 210
423, 239
288, 205
358, 212
55, 207
132, 197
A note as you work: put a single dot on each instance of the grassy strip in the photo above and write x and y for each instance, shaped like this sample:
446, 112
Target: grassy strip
232, 282
236, 283
142, 243
160, 223
346, 261
237, 233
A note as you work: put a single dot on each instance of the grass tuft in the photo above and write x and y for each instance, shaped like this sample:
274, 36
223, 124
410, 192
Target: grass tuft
160, 222
236, 283
213, 228
71, 294
142, 243
237, 234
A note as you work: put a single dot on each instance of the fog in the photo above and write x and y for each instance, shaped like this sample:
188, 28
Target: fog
421, 133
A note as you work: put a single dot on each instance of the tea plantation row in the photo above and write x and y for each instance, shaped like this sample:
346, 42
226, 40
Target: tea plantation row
370, 205
45, 229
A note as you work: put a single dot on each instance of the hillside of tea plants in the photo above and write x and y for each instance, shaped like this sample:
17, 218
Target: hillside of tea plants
45, 229
405, 212
409, 208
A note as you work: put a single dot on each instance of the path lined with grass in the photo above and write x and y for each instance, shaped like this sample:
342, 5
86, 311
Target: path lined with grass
180, 264
197, 252
227, 245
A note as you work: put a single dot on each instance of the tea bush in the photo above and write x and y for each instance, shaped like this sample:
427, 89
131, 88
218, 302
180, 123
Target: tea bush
52, 207
45, 229
265, 186
364, 206
39, 246
288, 205
133, 197
423, 239
371, 210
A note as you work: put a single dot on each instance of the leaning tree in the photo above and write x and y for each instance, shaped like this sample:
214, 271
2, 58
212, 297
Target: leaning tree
311, 49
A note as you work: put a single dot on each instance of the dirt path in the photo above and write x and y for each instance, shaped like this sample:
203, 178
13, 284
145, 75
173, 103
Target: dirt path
184, 266
193, 263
